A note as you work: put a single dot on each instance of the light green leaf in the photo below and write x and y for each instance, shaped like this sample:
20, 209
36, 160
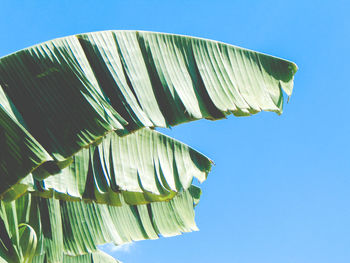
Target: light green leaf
28, 242
143, 167
18, 240
63, 95
76, 228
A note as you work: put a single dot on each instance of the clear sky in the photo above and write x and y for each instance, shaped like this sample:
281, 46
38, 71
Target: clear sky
280, 190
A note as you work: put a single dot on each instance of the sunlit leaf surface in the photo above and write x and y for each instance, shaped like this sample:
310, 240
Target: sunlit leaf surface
63, 95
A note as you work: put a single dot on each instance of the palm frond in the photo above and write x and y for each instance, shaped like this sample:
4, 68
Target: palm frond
63, 95
143, 167
64, 228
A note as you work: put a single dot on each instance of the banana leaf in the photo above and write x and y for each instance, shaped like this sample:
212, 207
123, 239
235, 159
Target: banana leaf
143, 167
61, 230
61, 96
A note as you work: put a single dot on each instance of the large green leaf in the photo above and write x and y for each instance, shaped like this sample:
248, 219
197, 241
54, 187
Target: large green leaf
145, 166
63, 95
64, 228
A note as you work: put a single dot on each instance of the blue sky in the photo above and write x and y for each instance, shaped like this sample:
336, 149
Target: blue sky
280, 189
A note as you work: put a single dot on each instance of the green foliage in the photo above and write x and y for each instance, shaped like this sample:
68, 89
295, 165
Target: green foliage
78, 164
